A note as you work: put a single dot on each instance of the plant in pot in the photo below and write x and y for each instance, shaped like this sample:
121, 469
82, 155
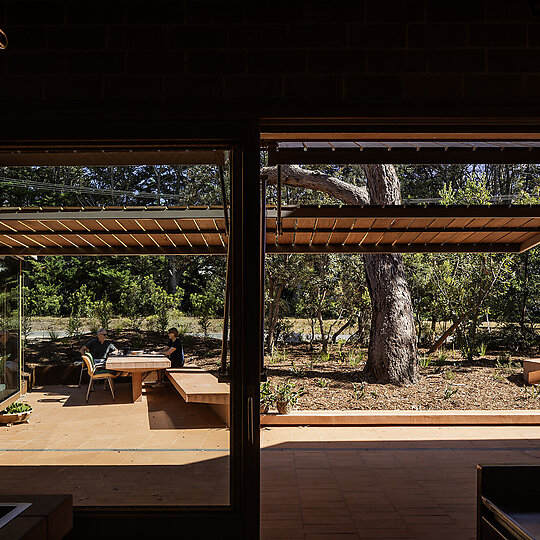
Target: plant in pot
286, 397
16, 412
267, 397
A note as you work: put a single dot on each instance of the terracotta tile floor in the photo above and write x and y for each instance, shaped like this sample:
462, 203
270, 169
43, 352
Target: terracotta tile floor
410, 482
157, 451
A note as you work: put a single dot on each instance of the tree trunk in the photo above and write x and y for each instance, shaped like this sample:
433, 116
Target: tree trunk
324, 339
392, 352
295, 176
446, 334
273, 317
523, 309
340, 330
392, 348
173, 273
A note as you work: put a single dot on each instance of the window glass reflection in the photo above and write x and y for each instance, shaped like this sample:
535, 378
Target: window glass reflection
9, 328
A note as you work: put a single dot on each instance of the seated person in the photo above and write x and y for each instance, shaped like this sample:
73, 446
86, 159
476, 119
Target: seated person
100, 348
174, 349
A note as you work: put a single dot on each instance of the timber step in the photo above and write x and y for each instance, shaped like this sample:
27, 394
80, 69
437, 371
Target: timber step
531, 370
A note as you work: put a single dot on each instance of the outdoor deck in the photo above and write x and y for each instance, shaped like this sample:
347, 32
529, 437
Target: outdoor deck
160, 450
412, 482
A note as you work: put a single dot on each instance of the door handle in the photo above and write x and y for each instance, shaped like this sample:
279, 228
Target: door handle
250, 420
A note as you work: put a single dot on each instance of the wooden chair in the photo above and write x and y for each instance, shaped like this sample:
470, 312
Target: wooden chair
97, 374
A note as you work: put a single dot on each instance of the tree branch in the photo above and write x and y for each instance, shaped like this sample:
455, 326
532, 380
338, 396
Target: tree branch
295, 176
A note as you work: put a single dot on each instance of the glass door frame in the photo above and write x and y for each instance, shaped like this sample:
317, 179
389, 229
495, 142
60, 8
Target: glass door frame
241, 518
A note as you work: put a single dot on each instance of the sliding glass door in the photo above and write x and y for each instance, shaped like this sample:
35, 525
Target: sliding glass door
10, 353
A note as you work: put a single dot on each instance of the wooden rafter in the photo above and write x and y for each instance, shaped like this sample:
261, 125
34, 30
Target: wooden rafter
305, 229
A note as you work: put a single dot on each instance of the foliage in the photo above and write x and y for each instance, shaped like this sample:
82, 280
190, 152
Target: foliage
53, 334
208, 304
17, 407
331, 294
493, 299
532, 392
449, 391
135, 303
286, 392
356, 358
424, 361
295, 370
102, 310
359, 390
81, 306
162, 303
462, 286
267, 393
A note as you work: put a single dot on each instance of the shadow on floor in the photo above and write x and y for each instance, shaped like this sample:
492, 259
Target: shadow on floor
166, 408
205, 482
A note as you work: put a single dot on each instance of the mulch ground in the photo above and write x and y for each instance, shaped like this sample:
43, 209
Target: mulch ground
337, 382
447, 383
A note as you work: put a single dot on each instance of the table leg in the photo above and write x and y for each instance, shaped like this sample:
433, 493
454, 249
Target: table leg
136, 386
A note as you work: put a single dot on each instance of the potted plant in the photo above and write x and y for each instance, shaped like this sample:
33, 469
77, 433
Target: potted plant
267, 397
286, 397
14, 413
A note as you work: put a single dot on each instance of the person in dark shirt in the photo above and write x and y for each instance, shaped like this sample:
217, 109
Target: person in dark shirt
174, 349
100, 348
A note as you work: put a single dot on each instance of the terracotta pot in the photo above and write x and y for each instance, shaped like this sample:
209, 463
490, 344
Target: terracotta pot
284, 407
13, 418
265, 407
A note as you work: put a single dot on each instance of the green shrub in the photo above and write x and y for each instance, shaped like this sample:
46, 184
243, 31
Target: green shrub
17, 407
356, 358
103, 312
323, 383
449, 391
74, 325
424, 361
286, 392
359, 390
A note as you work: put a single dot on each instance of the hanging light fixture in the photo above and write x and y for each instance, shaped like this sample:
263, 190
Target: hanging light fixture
3, 40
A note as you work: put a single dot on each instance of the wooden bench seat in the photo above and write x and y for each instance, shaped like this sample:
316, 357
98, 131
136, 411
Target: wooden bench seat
198, 386
531, 370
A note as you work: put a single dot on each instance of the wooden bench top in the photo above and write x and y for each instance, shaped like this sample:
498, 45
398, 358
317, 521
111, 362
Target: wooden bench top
198, 386
137, 363
531, 361
531, 370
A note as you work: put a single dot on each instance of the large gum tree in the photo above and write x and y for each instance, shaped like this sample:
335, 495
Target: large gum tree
392, 354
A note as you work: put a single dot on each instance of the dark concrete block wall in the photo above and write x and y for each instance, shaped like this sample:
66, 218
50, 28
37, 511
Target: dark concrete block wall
264, 58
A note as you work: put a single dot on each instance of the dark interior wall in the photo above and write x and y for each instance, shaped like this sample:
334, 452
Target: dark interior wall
176, 59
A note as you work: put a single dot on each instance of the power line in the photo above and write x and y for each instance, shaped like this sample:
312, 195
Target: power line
18, 182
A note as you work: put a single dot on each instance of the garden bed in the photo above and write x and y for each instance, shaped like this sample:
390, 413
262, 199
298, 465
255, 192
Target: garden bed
493, 382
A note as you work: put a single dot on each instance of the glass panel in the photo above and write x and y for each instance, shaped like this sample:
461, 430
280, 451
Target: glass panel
163, 438
10, 361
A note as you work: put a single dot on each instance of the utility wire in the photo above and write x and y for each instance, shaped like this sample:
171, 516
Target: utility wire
111, 192
17, 182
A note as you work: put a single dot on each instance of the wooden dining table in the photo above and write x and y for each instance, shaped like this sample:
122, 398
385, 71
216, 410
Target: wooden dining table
136, 365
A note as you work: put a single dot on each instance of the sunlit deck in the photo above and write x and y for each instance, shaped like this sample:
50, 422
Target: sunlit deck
157, 451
